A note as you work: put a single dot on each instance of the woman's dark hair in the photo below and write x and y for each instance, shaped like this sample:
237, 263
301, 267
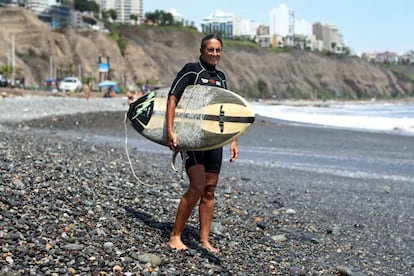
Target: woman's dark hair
207, 38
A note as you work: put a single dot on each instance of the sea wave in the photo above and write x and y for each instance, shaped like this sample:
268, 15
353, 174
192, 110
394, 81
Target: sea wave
379, 117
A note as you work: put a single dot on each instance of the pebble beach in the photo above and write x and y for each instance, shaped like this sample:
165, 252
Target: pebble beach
71, 205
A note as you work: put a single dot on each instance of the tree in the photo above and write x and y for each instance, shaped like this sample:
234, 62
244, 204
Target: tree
333, 46
86, 5
104, 15
134, 17
346, 51
160, 17
112, 14
6, 70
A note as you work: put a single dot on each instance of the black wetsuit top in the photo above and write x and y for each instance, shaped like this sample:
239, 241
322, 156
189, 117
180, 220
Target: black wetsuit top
203, 74
197, 73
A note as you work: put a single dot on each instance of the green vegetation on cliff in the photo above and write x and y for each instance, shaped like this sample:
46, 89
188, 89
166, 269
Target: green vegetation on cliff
155, 54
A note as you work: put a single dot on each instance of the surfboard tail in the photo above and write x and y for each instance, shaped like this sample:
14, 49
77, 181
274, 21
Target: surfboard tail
140, 111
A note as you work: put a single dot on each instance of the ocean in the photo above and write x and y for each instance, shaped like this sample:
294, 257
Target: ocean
369, 116
355, 155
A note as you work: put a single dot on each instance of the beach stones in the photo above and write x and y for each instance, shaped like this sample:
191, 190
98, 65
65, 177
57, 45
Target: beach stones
69, 204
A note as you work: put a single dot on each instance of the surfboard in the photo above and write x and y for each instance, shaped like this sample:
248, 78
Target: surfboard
206, 117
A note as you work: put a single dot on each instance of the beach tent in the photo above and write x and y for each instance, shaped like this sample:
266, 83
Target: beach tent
107, 83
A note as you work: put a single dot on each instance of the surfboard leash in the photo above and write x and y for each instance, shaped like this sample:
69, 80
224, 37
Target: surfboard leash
128, 157
174, 155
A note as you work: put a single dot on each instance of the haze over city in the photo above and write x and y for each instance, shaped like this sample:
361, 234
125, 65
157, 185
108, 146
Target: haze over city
366, 26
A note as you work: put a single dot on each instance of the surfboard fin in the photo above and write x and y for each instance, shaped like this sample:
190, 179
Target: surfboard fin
172, 162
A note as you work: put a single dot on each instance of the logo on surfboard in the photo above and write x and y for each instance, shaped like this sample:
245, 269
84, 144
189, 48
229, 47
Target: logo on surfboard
140, 111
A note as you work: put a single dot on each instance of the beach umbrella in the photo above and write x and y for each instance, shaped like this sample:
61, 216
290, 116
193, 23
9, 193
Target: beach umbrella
107, 83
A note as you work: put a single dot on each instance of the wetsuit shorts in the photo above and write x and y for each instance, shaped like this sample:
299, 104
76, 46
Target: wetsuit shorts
210, 159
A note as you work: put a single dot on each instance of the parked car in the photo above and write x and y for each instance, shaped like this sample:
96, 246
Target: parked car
50, 84
3, 81
70, 84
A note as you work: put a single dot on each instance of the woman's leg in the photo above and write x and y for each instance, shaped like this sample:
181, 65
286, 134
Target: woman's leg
197, 178
206, 210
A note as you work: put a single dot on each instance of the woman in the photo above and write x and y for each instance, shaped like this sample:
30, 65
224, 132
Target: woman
86, 91
202, 167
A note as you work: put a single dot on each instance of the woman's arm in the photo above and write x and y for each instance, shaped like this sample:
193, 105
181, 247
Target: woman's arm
169, 118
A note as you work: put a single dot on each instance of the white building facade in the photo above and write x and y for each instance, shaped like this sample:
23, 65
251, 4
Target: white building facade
280, 21
37, 6
220, 22
229, 26
124, 9
329, 35
282, 26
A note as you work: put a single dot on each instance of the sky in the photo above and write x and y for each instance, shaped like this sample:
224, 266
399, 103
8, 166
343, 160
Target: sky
365, 25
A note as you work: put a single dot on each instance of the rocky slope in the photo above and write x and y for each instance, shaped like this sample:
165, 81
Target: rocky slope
156, 54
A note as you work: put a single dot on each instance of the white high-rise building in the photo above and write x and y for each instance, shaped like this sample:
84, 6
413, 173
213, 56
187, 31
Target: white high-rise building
229, 26
245, 28
124, 9
281, 21
303, 27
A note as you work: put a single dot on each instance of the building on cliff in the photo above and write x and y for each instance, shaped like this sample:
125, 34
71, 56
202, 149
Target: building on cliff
124, 9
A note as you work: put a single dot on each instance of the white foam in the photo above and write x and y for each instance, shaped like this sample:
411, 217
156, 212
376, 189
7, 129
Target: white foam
386, 117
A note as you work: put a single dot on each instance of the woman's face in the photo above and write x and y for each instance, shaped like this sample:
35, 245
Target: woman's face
212, 52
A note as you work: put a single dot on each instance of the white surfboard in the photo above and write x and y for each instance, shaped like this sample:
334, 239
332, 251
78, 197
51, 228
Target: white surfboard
206, 117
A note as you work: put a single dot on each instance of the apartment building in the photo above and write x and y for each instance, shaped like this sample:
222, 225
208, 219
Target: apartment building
37, 6
281, 21
219, 22
330, 37
245, 28
124, 9
262, 36
288, 31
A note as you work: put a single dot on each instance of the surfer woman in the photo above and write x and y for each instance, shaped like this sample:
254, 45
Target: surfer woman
202, 167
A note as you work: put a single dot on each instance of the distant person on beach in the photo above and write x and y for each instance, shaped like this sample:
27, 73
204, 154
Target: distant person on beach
131, 96
202, 167
109, 92
146, 88
86, 91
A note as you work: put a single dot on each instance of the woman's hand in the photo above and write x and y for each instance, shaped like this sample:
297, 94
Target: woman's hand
172, 141
234, 151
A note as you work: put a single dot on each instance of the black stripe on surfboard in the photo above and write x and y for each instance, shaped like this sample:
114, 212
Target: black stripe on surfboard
229, 119
217, 118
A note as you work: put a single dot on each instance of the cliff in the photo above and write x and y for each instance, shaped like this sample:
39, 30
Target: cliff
155, 54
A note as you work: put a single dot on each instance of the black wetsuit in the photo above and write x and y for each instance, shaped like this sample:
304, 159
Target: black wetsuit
203, 74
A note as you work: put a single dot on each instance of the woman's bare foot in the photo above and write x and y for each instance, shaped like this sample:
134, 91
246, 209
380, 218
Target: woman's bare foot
176, 243
209, 247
